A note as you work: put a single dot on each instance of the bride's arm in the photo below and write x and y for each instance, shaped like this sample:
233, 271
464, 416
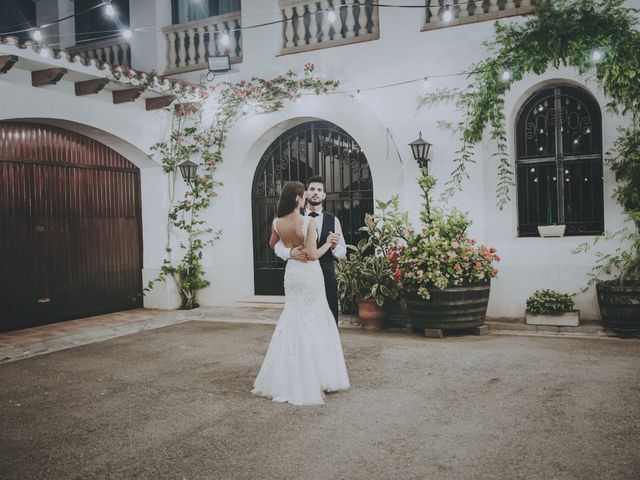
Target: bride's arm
274, 238
314, 252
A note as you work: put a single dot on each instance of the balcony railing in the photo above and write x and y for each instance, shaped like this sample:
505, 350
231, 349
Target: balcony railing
189, 44
462, 12
307, 24
115, 51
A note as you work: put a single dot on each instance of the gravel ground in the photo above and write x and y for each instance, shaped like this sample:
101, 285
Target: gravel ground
174, 403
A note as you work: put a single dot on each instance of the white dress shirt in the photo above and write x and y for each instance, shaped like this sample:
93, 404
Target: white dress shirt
339, 252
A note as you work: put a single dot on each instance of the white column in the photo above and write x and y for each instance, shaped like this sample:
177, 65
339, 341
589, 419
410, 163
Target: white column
149, 47
362, 18
67, 28
350, 21
288, 30
313, 23
191, 33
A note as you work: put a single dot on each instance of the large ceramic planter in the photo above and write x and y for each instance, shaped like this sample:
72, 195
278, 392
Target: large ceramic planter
620, 307
371, 315
455, 308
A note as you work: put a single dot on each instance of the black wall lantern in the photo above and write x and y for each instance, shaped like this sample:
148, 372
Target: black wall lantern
420, 150
188, 170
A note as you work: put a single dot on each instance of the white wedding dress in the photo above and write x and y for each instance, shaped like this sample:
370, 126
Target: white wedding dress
305, 357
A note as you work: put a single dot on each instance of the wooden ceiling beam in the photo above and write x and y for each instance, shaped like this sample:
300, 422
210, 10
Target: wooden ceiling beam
6, 62
50, 76
128, 95
89, 87
159, 102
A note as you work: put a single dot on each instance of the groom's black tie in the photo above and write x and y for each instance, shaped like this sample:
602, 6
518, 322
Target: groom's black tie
313, 214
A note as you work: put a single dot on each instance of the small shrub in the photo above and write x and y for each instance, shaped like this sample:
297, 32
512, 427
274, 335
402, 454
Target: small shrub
548, 302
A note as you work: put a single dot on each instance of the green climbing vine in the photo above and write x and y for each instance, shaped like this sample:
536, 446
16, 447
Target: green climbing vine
559, 32
192, 140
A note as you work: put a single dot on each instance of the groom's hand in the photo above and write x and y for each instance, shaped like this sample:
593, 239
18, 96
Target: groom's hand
299, 254
334, 239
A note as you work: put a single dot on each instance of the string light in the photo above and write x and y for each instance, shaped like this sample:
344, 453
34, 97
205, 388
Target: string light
425, 83
108, 9
331, 16
224, 39
506, 75
126, 33
358, 96
37, 35
447, 16
597, 55
44, 52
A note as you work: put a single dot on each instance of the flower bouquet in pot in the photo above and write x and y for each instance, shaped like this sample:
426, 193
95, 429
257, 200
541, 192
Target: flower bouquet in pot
445, 274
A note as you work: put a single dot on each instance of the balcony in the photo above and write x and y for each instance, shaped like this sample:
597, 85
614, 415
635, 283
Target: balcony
473, 11
189, 44
114, 51
307, 24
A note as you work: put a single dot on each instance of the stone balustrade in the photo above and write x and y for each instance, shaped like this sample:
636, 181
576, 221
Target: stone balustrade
189, 44
308, 24
462, 11
115, 51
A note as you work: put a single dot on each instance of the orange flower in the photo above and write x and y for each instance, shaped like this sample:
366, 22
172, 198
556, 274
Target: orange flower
456, 266
478, 265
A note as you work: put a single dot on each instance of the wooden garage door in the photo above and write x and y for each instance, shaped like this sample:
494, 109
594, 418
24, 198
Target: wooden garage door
70, 229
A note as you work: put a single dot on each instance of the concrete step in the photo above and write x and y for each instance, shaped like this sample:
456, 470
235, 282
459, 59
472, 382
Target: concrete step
589, 328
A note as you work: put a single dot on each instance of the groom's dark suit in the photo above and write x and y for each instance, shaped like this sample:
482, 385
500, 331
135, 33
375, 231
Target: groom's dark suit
327, 262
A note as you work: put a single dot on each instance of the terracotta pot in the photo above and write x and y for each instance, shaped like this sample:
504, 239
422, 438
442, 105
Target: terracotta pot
371, 314
455, 308
620, 307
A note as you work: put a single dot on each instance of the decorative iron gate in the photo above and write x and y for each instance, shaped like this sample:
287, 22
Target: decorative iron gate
70, 223
313, 148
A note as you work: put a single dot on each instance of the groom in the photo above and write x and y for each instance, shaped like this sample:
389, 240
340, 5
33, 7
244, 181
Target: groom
329, 229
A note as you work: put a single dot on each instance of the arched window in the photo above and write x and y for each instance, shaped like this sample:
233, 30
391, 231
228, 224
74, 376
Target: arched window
559, 162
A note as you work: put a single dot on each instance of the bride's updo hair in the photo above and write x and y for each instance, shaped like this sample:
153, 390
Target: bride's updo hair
288, 198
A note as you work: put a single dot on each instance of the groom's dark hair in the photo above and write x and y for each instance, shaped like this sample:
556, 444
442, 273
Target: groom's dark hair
317, 179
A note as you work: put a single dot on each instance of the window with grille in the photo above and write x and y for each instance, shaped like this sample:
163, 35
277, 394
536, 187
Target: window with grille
559, 162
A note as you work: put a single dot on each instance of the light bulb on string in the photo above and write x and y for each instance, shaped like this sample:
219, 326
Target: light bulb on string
126, 33
44, 52
357, 95
425, 83
109, 10
224, 39
597, 55
506, 75
331, 15
37, 35
447, 16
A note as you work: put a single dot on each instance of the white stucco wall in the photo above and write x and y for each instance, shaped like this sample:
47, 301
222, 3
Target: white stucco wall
378, 121
403, 52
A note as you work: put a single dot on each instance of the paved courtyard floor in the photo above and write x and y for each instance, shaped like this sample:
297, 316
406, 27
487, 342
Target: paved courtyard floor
174, 403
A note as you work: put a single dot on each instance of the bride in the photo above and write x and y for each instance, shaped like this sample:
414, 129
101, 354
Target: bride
305, 357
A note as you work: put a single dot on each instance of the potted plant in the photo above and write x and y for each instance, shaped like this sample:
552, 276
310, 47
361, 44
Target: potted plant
617, 274
551, 230
445, 275
548, 307
365, 277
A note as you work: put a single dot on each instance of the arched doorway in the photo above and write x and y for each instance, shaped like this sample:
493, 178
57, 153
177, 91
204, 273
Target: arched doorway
70, 216
312, 148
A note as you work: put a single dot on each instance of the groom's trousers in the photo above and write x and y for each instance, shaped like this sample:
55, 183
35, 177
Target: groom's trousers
330, 285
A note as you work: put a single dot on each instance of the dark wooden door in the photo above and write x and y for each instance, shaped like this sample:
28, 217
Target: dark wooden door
313, 148
70, 224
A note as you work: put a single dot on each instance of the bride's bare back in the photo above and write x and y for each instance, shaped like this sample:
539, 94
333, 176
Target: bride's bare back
289, 228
